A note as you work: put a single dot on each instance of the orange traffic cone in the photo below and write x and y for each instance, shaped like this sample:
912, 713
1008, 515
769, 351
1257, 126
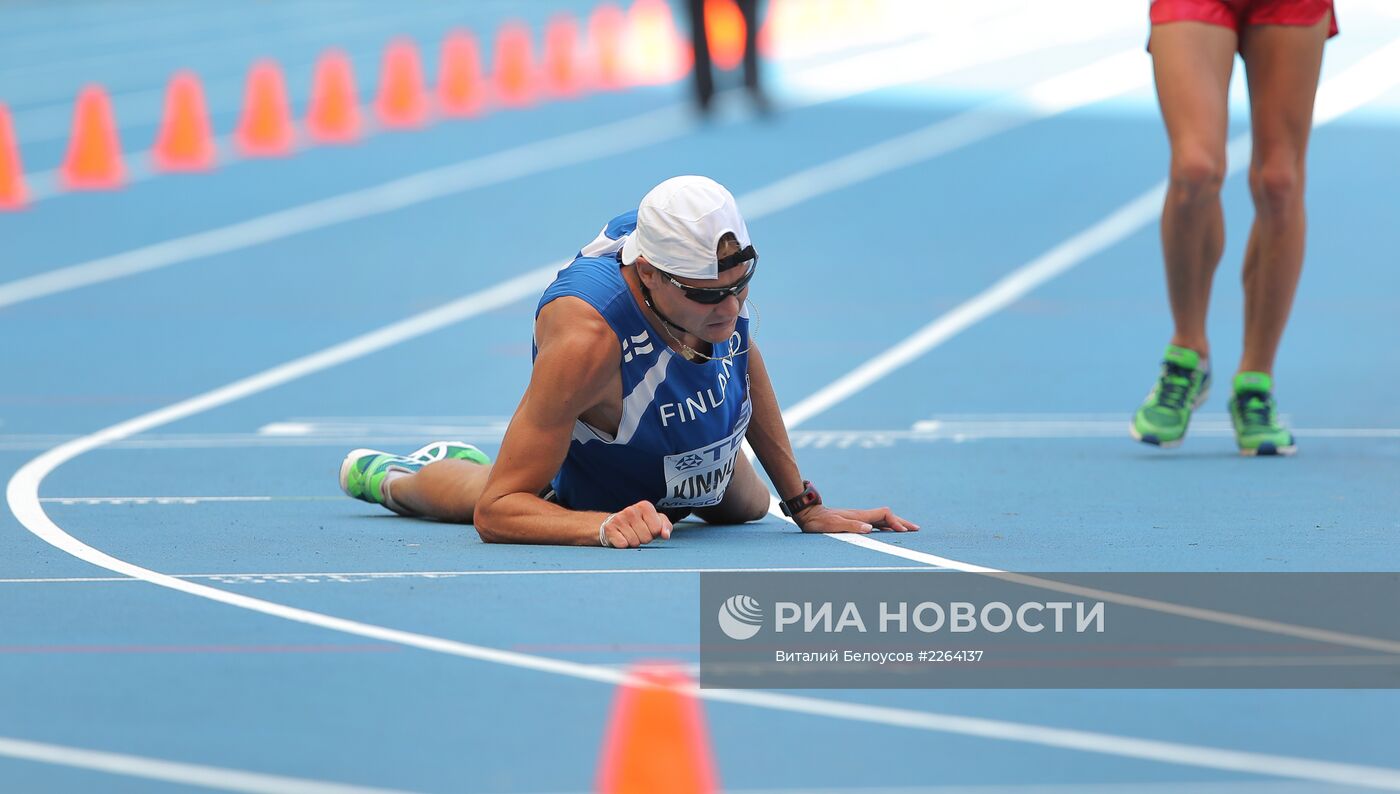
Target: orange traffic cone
606, 28
656, 738
334, 116
561, 56
185, 142
402, 103
515, 78
459, 84
265, 130
13, 195
94, 160
725, 30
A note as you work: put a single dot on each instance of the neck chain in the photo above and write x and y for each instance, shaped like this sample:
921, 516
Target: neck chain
690, 353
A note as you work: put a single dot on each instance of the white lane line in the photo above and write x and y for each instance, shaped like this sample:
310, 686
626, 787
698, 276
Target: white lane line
22, 494
1309, 633
925, 431
1109, 77
954, 45
167, 500
350, 577
962, 432
1363, 81
1067, 739
1207, 615
214, 777
1196, 787
1125, 221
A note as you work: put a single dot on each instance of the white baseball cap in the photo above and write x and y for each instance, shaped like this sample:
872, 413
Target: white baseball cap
680, 223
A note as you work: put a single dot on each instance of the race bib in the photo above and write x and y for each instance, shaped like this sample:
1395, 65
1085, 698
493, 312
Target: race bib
698, 478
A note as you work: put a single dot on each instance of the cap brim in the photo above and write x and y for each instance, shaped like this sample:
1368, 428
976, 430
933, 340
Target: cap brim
629, 249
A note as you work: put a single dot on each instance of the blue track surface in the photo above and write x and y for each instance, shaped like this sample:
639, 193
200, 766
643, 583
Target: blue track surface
95, 661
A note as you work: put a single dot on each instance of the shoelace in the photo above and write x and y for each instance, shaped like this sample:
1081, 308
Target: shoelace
1256, 408
1175, 384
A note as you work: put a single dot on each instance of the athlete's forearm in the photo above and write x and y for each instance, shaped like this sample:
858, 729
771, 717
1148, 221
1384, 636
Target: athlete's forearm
767, 434
526, 518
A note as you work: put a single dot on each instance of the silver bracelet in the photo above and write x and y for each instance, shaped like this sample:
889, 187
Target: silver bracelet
603, 531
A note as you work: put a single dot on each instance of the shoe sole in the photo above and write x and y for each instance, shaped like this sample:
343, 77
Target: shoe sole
1152, 440
349, 461
1267, 450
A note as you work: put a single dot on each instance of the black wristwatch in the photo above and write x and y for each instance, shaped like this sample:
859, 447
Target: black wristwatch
802, 501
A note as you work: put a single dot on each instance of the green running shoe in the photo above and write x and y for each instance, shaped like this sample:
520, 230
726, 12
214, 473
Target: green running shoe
450, 450
363, 471
1182, 388
1252, 410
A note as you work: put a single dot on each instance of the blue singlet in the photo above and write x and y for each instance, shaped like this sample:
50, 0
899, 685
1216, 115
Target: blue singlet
683, 422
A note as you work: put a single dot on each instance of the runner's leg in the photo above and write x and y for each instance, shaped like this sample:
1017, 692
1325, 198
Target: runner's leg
1282, 63
446, 490
746, 499
1192, 62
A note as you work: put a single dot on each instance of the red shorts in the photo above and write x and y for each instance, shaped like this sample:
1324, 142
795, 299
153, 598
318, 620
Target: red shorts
1238, 14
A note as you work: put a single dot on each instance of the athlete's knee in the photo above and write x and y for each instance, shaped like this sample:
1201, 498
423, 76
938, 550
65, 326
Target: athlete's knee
1197, 173
756, 509
1276, 184
737, 508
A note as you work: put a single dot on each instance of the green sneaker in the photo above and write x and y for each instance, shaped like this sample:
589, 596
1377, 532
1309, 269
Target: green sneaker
363, 471
1182, 388
450, 450
1252, 410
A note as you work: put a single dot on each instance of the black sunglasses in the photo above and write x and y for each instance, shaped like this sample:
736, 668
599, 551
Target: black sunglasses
712, 295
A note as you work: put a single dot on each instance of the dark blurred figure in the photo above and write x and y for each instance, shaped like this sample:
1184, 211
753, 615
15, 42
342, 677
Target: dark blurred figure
704, 76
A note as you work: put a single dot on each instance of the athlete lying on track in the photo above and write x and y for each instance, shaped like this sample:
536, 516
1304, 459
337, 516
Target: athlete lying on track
646, 383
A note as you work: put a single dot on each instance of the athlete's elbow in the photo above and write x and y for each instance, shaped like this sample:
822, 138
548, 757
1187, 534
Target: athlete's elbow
488, 521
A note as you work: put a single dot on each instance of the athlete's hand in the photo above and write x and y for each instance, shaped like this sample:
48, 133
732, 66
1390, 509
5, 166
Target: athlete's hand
636, 526
823, 519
